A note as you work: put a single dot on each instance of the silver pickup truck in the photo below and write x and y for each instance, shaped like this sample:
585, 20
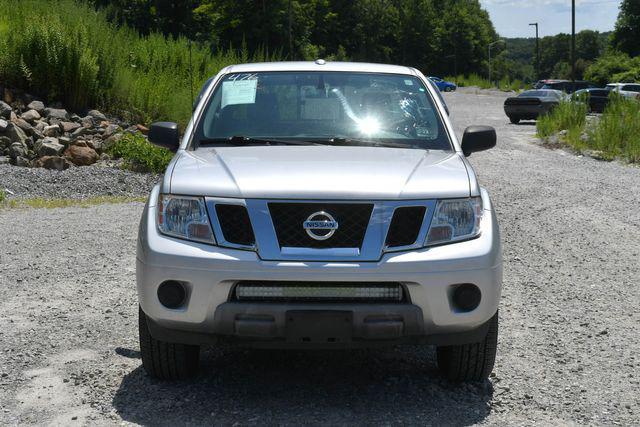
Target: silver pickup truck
319, 205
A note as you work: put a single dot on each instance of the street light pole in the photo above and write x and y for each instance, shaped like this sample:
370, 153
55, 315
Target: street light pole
573, 41
491, 44
537, 51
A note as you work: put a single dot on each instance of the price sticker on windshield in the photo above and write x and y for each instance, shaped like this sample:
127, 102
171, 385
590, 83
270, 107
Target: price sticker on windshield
239, 92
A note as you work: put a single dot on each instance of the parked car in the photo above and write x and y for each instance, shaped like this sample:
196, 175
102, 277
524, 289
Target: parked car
319, 205
443, 85
628, 90
531, 104
569, 86
595, 98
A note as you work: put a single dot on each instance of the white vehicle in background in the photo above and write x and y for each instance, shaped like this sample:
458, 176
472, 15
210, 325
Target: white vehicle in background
628, 90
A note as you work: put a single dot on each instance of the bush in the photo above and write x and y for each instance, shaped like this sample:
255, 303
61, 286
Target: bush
139, 154
65, 51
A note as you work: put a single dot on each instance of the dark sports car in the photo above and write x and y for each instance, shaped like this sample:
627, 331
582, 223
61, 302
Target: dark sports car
532, 103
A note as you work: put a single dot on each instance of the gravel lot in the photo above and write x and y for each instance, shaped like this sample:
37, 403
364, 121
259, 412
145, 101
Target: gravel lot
75, 182
569, 349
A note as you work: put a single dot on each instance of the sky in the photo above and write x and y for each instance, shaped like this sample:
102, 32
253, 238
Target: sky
511, 18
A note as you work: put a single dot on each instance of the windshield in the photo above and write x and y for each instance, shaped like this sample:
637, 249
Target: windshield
371, 109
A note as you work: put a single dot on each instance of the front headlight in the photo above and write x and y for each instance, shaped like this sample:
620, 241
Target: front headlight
455, 220
184, 217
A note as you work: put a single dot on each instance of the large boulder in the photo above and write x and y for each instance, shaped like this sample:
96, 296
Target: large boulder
53, 162
53, 130
3, 125
111, 141
4, 160
24, 125
81, 156
5, 110
56, 113
22, 161
110, 130
49, 147
97, 115
69, 126
15, 134
37, 106
18, 149
30, 116
5, 142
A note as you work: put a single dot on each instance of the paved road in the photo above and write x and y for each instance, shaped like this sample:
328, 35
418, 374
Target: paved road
568, 351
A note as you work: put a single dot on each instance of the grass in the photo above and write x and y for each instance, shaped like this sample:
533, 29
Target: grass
3, 196
615, 135
63, 50
141, 155
40, 203
476, 80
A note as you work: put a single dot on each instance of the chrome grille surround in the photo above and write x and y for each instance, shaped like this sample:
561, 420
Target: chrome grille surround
373, 244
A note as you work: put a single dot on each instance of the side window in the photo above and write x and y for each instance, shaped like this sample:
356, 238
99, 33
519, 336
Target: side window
632, 88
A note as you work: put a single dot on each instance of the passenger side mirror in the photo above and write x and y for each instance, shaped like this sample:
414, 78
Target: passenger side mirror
478, 138
165, 134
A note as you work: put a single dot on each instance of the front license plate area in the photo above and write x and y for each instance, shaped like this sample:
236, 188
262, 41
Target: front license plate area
319, 327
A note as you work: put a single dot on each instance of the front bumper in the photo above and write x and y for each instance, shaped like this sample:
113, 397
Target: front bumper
209, 274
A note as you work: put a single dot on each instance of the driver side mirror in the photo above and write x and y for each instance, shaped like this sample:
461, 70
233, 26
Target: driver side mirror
478, 138
165, 134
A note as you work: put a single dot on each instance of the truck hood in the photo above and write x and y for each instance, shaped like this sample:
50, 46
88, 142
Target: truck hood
319, 172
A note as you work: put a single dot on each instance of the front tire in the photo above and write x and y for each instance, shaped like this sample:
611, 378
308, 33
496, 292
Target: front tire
165, 360
470, 362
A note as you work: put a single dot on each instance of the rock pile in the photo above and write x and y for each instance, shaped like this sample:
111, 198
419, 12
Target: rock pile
33, 135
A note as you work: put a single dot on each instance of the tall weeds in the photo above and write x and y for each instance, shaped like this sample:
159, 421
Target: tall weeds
615, 134
65, 51
618, 132
567, 116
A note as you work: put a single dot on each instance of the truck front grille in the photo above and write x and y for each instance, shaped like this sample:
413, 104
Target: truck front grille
352, 219
273, 291
405, 226
235, 224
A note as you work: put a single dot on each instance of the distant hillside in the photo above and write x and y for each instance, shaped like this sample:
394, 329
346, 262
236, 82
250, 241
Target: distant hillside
555, 50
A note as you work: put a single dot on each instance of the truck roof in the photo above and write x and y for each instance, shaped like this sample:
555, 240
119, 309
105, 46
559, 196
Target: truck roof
319, 65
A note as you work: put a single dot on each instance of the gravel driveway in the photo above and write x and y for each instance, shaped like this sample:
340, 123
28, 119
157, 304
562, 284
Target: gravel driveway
569, 349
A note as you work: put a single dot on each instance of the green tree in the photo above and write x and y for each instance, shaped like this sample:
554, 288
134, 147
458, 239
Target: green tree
626, 36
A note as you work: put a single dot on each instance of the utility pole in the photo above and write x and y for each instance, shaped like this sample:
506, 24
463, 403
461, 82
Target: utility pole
290, 34
573, 42
491, 44
537, 52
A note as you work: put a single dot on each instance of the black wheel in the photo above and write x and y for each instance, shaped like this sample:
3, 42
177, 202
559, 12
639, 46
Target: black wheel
515, 120
164, 360
470, 362
447, 89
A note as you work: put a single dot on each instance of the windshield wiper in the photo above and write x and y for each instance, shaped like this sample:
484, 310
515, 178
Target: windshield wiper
368, 143
240, 140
